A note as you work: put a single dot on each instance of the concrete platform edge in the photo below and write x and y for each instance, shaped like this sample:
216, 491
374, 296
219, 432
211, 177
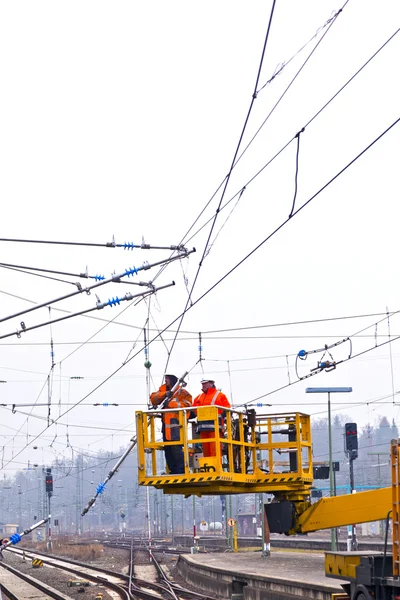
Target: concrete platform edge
242, 585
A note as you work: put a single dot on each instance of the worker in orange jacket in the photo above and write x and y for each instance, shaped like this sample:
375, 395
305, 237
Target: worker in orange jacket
210, 396
170, 421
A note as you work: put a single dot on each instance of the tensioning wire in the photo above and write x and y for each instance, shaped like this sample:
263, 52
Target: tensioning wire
227, 180
269, 162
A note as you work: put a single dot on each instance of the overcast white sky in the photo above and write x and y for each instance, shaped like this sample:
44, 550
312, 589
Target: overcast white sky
121, 119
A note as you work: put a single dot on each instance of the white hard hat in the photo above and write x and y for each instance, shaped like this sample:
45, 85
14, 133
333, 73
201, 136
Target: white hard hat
205, 380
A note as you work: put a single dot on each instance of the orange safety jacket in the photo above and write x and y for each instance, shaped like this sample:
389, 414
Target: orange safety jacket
180, 399
211, 397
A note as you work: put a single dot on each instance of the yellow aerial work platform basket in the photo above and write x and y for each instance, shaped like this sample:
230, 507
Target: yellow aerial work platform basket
253, 452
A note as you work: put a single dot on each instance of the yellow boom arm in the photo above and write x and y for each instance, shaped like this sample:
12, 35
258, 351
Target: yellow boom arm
337, 511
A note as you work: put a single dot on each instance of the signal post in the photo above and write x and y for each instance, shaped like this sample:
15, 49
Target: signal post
351, 449
49, 491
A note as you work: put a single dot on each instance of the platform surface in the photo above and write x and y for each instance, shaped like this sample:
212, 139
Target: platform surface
305, 567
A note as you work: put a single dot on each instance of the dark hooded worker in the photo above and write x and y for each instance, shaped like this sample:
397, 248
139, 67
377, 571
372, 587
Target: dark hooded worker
180, 398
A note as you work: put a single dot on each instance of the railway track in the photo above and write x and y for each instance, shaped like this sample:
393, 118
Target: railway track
16, 585
109, 580
145, 561
219, 544
138, 546
154, 584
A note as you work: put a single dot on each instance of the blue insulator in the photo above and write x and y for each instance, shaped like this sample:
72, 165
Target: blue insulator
100, 488
15, 538
200, 348
113, 301
129, 246
259, 404
322, 365
132, 271
99, 277
302, 353
105, 403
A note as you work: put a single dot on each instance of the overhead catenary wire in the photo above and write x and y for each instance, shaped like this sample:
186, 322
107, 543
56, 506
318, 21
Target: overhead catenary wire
53, 271
283, 148
227, 180
120, 404
114, 278
113, 244
393, 339
100, 305
294, 213
214, 371
281, 66
328, 23
228, 273
389, 346
206, 332
35, 271
22, 270
89, 340
28, 414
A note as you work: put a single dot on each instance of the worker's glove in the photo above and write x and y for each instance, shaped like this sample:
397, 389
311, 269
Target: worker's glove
167, 399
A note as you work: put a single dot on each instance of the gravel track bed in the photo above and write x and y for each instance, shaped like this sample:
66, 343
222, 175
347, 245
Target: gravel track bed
56, 578
115, 559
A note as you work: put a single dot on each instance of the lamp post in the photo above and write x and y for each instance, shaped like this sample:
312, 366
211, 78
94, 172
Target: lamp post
329, 391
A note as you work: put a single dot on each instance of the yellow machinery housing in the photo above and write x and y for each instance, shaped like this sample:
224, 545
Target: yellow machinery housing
248, 455
373, 575
248, 459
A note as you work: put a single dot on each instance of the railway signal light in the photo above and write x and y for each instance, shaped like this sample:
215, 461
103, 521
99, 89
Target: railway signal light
49, 482
351, 439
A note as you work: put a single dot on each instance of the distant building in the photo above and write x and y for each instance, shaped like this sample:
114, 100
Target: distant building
8, 529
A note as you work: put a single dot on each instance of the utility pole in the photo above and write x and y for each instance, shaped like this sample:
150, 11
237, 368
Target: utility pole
19, 508
172, 521
49, 491
230, 528
78, 498
194, 525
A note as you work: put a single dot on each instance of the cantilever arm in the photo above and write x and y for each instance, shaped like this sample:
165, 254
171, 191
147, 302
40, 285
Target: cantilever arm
101, 487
